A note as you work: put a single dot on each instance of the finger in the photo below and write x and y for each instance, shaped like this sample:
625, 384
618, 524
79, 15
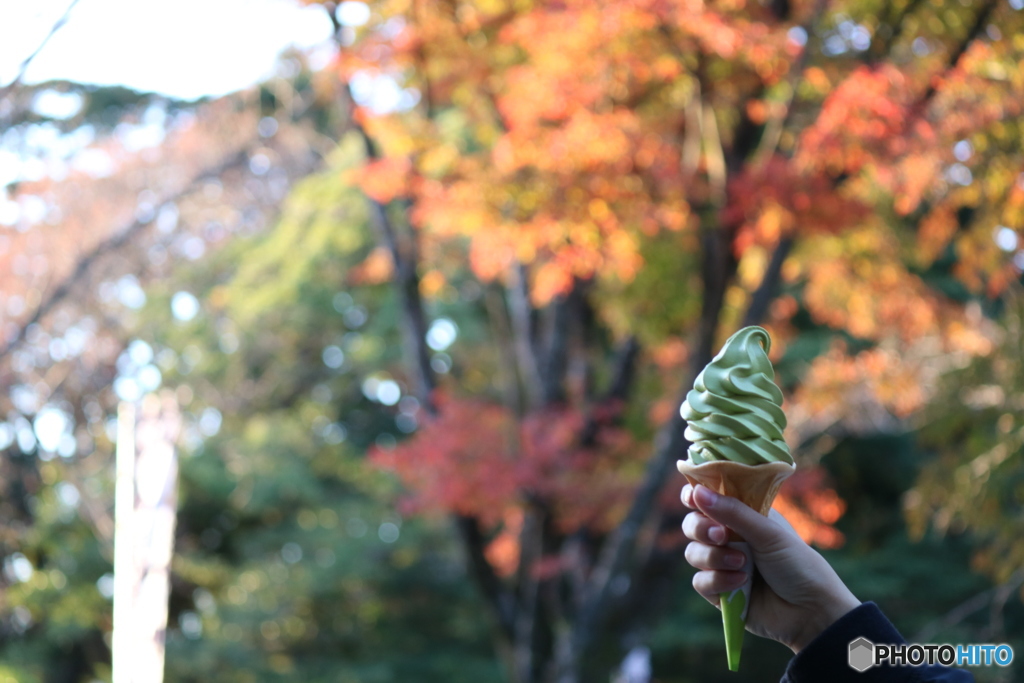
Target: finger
710, 583
780, 519
762, 533
712, 557
686, 495
697, 527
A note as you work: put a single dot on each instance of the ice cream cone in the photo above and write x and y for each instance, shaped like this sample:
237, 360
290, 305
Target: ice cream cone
756, 486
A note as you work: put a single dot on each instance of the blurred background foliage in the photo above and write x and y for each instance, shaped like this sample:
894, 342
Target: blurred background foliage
428, 311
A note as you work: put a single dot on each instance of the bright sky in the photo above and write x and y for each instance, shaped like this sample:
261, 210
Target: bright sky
183, 48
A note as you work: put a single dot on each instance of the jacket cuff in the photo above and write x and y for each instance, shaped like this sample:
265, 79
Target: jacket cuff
830, 650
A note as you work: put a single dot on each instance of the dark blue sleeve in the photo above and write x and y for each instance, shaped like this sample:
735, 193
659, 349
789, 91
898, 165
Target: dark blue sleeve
827, 656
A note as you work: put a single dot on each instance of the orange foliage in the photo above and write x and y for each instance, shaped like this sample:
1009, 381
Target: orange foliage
584, 159
375, 268
573, 117
432, 283
671, 355
869, 293
385, 179
866, 117
833, 377
778, 199
450, 466
936, 230
812, 507
503, 551
477, 459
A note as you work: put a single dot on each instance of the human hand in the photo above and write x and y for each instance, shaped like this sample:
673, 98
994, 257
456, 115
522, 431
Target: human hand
796, 594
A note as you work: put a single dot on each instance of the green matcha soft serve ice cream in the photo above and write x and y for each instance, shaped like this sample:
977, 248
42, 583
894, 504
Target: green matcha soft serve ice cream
734, 410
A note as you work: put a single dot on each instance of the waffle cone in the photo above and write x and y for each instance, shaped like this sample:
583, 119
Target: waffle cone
755, 485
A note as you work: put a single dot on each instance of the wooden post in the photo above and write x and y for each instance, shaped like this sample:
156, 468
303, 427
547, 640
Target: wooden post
145, 510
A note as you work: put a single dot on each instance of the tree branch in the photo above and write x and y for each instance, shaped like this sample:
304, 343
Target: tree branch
113, 243
780, 115
503, 337
980, 22
23, 67
406, 279
623, 372
967, 608
884, 46
692, 134
497, 596
556, 360
717, 270
521, 315
766, 291
780, 9
421, 63
718, 169
529, 600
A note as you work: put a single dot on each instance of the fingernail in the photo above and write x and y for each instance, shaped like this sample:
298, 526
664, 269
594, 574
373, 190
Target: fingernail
717, 535
705, 496
734, 560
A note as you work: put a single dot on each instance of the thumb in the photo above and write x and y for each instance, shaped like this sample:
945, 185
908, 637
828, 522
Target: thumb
759, 531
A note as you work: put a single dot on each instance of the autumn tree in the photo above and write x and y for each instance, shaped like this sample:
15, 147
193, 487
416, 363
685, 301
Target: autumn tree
633, 181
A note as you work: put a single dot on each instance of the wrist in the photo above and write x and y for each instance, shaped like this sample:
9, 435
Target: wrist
825, 613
